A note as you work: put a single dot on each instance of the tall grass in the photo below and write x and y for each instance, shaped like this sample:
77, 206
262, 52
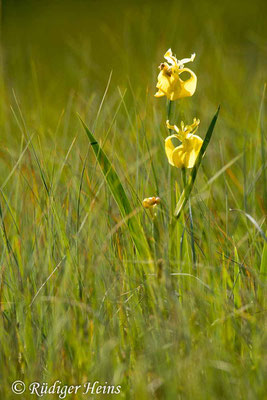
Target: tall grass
92, 286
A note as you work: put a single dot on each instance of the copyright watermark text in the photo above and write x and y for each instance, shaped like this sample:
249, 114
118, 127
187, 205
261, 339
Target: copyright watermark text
62, 391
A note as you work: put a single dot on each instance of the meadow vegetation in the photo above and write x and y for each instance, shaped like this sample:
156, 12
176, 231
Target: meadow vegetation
93, 287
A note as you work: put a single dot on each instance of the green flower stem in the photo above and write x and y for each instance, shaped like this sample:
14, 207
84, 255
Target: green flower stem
169, 110
191, 221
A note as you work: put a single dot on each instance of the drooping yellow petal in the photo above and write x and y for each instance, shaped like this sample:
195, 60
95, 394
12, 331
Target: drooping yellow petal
169, 84
188, 86
159, 94
169, 148
186, 154
178, 157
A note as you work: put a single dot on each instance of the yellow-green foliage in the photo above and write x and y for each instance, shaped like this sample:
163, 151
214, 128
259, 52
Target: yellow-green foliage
79, 299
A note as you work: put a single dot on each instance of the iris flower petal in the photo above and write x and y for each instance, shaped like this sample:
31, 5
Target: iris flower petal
169, 148
159, 94
189, 86
170, 58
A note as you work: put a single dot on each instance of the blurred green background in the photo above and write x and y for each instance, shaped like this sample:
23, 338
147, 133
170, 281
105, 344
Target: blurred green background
69, 47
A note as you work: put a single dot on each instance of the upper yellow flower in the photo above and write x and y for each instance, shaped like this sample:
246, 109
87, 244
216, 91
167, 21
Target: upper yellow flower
169, 82
184, 155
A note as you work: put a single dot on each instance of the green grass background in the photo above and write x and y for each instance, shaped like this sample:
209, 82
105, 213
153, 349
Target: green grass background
106, 313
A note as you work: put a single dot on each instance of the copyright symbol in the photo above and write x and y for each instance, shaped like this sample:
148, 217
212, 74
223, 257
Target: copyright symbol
18, 387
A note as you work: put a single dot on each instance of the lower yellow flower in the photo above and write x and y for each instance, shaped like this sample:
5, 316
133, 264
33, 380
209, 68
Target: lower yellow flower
184, 155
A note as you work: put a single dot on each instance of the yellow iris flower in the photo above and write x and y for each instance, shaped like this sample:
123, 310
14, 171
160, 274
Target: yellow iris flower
184, 155
169, 82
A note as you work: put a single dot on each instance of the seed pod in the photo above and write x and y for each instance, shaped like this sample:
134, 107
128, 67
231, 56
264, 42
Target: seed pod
151, 202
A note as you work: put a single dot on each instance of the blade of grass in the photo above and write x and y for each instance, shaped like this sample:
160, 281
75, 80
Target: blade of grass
16, 164
263, 267
24, 131
254, 222
120, 196
263, 274
221, 171
263, 155
187, 190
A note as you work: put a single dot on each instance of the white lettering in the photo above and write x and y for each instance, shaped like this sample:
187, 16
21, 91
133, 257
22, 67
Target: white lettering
33, 388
